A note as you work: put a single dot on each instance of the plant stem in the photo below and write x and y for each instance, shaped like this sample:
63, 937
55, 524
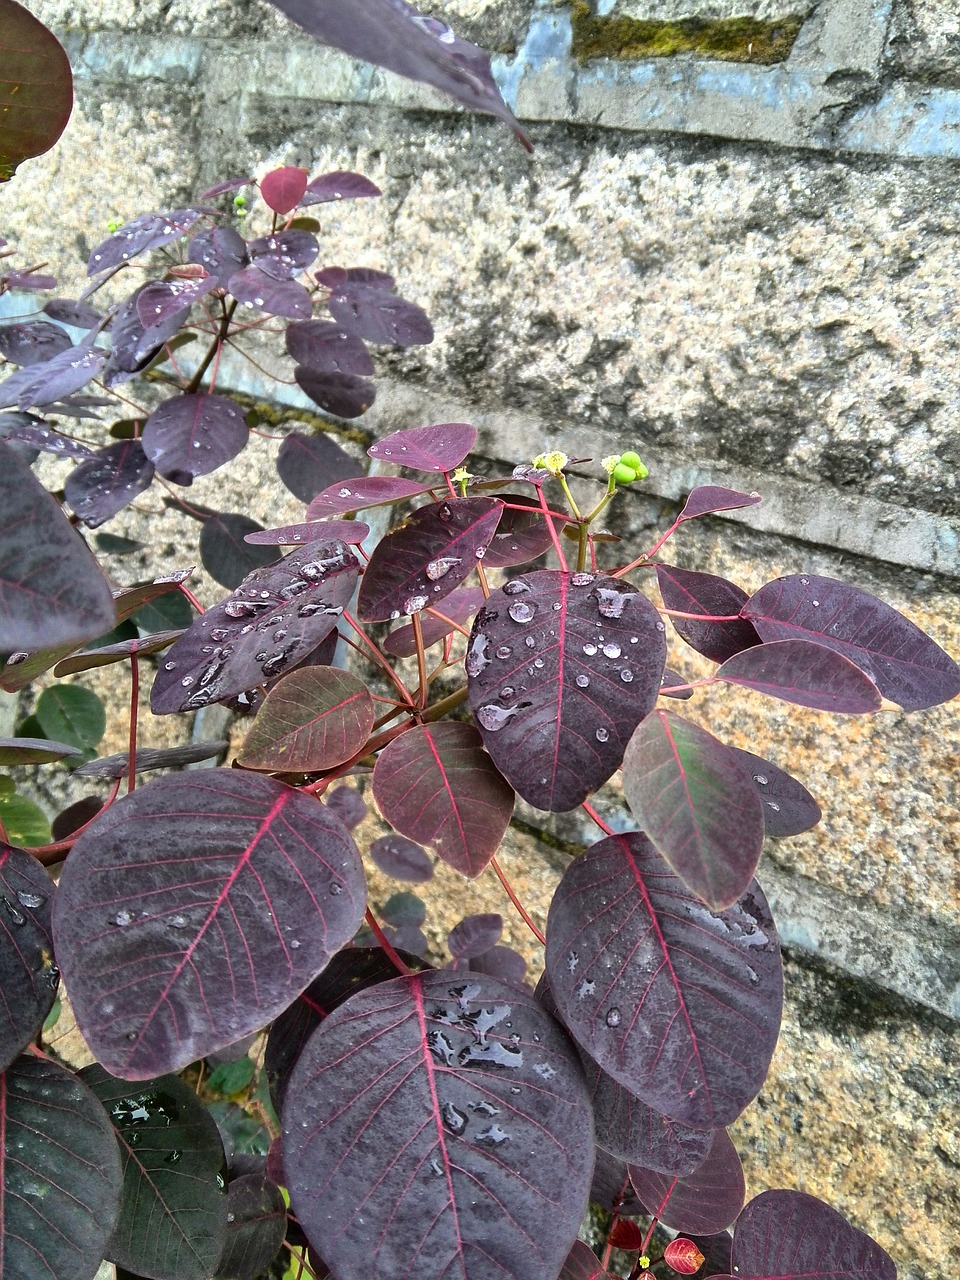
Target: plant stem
193, 386
134, 711
384, 941
517, 903
49, 854
423, 690
589, 810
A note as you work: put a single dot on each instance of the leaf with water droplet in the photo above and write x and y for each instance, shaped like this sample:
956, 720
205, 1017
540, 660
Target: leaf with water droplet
255, 289
30, 342
522, 534
356, 494
28, 977
343, 394
193, 435
107, 482
256, 1227
402, 859
324, 347
796, 810
689, 591
284, 254
440, 447
308, 464
338, 186
371, 313
149, 231
459, 606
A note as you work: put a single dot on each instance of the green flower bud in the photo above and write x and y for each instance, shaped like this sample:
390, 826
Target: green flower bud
624, 474
631, 459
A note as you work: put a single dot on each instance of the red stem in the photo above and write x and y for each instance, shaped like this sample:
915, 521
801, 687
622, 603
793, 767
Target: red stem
517, 903
134, 712
648, 1236
48, 854
553, 533
592, 813
192, 598
385, 943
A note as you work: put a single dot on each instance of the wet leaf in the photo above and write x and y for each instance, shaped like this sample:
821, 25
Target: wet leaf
256, 1227
30, 342
707, 1200
309, 464
225, 552
28, 977
36, 87
402, 859
692, 592
339, 277
708, 498
474, 935
438, 448
342, 394
612, 1188
254, 288
149, 231
338, 186
108, 654
459, 606
323, 347
50, 380
788, 807
221, 252
522, 535
805, 673
371, 313
103, 485
282, 189
45, 439
136, 344
149, 758
359, 492
312, 720
284, 254
80, 315
159, 301
352, 532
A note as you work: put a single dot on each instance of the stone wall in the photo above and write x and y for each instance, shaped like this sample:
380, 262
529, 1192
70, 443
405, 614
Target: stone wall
747, 269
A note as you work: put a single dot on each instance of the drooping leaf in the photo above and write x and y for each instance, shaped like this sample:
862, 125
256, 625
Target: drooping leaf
805, 673
395, 35
338, 186
561, 668
283, 188
108, 654
80, 315
582, 1264
359, 492
256, 1226
34, 751
788, 807
50, 380
312, 720
903, 662
220, 251
60, 1173
459, 606
275, 619
52, 591
148, 758
474, 935
309, 464
692, 592
149, 231
402, 859
28, 977
707, 1200
437, 448
29, 342
426, 557
107, 482
72, 714
45, 439
440, 1078
134, 343
267, 884
160, 300
522, 535
708, 498
284, 254
437, 785
786, 1235
173, 1209
680, 1005
36, 87
323, 347
254, 288
343, 394
225, 552
697, 804
352, 532
377, 316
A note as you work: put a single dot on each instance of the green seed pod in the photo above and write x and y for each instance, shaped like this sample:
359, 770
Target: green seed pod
633, 460
624, 474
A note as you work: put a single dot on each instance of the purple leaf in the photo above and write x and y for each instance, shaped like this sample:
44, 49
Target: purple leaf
561, 668
692, 592
29, 280
44, 383
438, 448
461, 1100
36, 92
47, 440
521, 535
426, 557
308, 464
402, 859
697, 804
60, 1176
370, 313
404, 909
225, 552
459, 605
166, 967
436, 785
338, 186
32, 751
680, 1005
323, 347
52, 591
356, 494
283, 188
708, 498
160, 300
12, 424
612, 1188
582, 1264
312, 720
902, 661
105, 483
343, 394
275, 619
339, 277
805, 673
500, 962
786, 1235
284, 254
256, 1227
28, 977
671, 681
474, 935
707, 1200
30, 342
347, 803
352, 532
788, 807
220, 251
395, 35
134, 346
193, 435
149, 758
150, 231
221, 188
70, 311
716, 1250
254, 288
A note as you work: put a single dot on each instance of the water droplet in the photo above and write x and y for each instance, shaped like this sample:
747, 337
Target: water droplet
520, 611
219, 633
752, 974
804, 582
122, 918
414, 604
295, 944
480, 552
336, 888
494, 1134
626, 675
602, 734
514, 1088
169, 666
613, 1017
504, 651
515, 587
187, 681
477, 657
583, 681
493, 717
174, 1157
178, 922
815, 603
453, 1119
772, 804
761, 778
507, 691
582, 579
31, 899
16, 916
544, 1070
437, 569
611, 603
661, 626
538, 663
589, 650
280, 634
611, 650
530, 642
437, 1170
444, 513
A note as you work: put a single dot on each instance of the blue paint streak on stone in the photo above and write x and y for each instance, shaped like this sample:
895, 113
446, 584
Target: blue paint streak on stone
921, 124
548, 39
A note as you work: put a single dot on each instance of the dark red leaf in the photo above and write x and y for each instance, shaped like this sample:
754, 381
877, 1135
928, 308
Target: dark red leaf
29, 342
671, 686
706, 1200
474, 935
692, 592
697, 803
282, 189
902, 661
786, 1235
213, 943
352, 532
70, 311
339, 277
358, 493
426, 557
284, 254
683, 1256
50, 380
707, 498
500, 962
323, 347
338, 186
402, 859
150, 231
134, 344
254, 288
459, 606
312, 720
225, 552
805, 673
437, 448
561, 669
343, 394
275, 619
680, 1005
160, 300
371, 313
582, 1264
36, 88
104, 484
521, 535
221, 252
192, 435
716, 1250
437, 785
33, 751
461, 1099
256, 1227
788, 807
625, 1234
148, 758
28, 977
611, 1188
347, 803
309, 464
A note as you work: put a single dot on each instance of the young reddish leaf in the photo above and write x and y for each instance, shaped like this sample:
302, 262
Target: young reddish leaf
52, 592
282, 189
426, 557
708, 498
805, 673
786, 1235
33, 751
224, 551
903, 662
788, 807
323, 347
706, 1200
277, 617
59, 1173
692, 592
562, 667
214, 943
284, 254
342, 394
254, 288
173, 1213
459, 606
221, 252
256, 1227
36, 87
49, 381
371, 313
437, 785
521, 535
338, 186
697, 804
356, 494
107, 482
582, 1264
680, 1005
683, 1256
393, 34
474, 935
438, 448
312, 720
402, 859
149, 231
148, 758
309, 464
28, 978
352, 532
460, 1098
29, 342
625, 1234
70, 311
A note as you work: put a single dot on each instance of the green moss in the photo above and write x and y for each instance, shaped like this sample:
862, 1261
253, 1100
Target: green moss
726, 39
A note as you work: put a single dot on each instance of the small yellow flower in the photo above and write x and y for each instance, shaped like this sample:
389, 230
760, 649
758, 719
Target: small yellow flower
553, 462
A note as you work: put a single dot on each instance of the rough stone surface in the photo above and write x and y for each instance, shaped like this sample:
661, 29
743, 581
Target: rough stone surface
925, 41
